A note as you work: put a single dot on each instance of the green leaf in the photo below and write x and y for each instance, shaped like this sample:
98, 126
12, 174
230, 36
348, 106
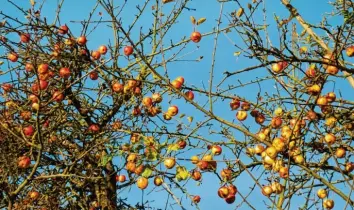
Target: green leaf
172, 147
105, 160
147, 172
181, 173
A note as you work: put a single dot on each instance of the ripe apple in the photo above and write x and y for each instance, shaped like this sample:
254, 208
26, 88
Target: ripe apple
277, 67
156, 97
340, 152
136, 111
349, 167
284, 172
311, 72
102, 49
130, 166
267, 190
147, 101
311, 115
196, 37
322, 193
176, 84
58, 96
350, 51
223, 192
117, 87
43, 68
169, 163
314, 89
241, 115
64, 72
34, 195
226, 174
235, 104
333, 70
12, 56
7, 87
196, 199
132, 157
158, 181
93, 75
277, 188
28, 131
95, 55
330, 138
24, 162
194, 159
128, 50
94, 128
142, 183
139, 170
172, 110
190, 95
216, 150
181, 144
63, 29
276, 122
245, 106
25, 38
29, 67
180, 79
203, 165
81, 40
196, 175
321, 101
260, 118
328, 204
258, 149
271, 152
331, 97
230, 199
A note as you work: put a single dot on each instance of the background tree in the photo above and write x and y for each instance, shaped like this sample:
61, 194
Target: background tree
127, 108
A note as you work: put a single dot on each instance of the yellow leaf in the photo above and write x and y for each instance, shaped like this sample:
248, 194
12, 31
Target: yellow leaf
192, 20
32, 2
190, 119
240, 12
172, 147
201, 20
237, 53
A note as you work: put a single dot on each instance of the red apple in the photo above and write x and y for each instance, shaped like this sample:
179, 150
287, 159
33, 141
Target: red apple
43, 68
24, 162
102, 49
63, 29
196, 36
28, 131
64, 72
25, 38
128, 50
81, 40
12, 56
96, 55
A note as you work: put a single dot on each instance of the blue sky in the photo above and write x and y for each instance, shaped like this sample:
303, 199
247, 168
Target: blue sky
196, 73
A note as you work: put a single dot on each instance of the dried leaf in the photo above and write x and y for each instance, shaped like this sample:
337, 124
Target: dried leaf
32, 2
167, 1
240, 12
193, 20
201, 20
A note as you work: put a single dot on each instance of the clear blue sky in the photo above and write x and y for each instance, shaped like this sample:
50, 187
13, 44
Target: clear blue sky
194, 74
